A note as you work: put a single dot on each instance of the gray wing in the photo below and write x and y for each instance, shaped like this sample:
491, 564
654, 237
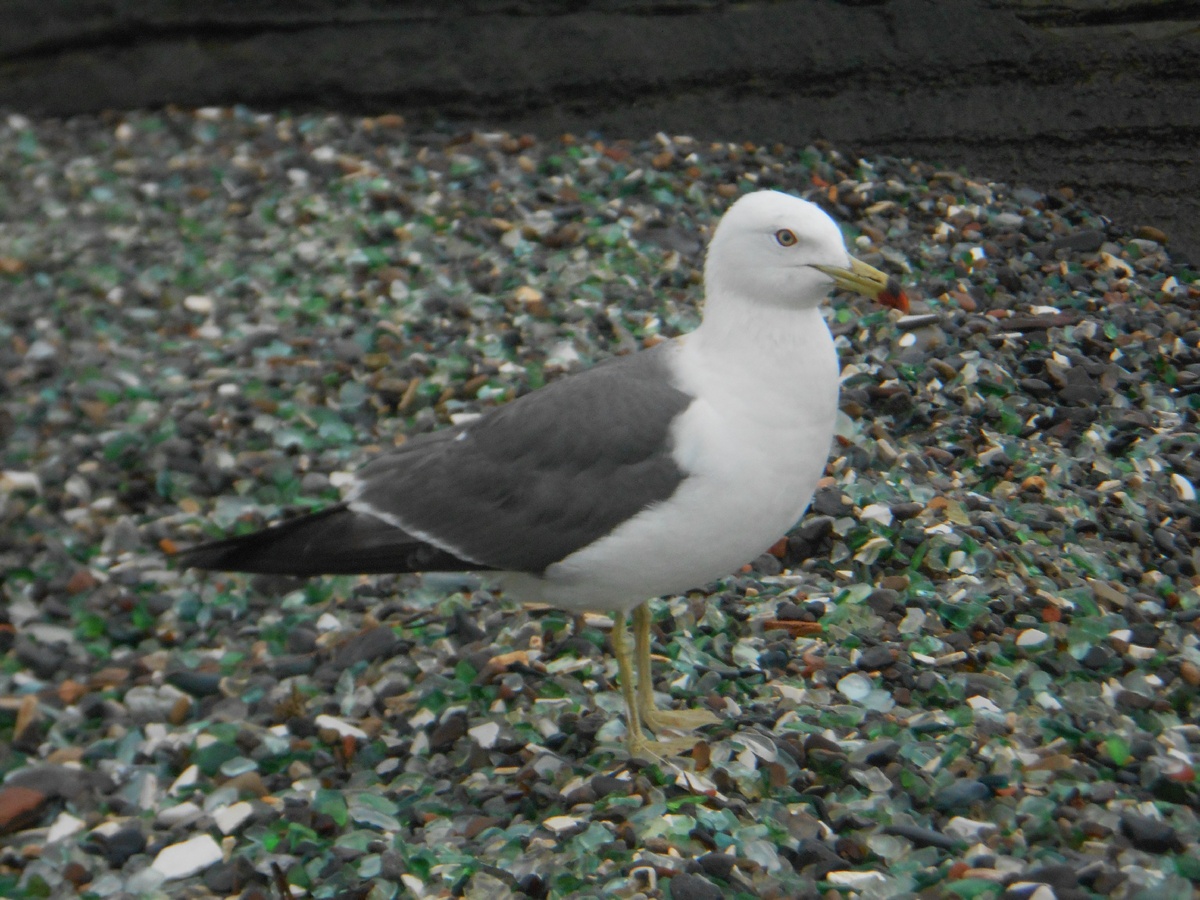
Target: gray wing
538, 478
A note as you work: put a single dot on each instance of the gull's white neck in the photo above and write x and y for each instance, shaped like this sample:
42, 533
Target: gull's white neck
769, 365
763, 337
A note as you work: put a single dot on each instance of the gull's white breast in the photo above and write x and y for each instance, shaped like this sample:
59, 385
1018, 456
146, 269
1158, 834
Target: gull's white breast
753, 444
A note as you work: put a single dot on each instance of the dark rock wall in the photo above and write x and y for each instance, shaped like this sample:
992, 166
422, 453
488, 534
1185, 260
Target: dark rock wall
1099, 95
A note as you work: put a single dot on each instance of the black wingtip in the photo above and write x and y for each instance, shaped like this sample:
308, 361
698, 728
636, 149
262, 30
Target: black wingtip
333, 541
298, 546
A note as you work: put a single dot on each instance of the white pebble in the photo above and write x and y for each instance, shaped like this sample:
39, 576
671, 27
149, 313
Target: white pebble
199, 303
421, 718
329, 622
187, 858
186, 779
952, 658
64, 826
855, 687
877, 512
559, 824
485, 735
179, 814
872, 779
969, 830
913, 621
229, 818
1032, 637
11, 482
759, 746
1040, 892
415, 885
856, 880
308, 251
1183, 487
344, 729
1047, 701
983, 704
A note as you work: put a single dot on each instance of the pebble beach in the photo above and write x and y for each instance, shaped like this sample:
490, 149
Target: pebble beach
971, 671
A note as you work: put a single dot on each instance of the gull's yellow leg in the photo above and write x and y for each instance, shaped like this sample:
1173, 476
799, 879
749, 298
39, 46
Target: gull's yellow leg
651, 716
624, 654
640, 746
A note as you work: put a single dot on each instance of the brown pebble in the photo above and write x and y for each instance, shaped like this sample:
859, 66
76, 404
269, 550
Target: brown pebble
27, 717
1190, 672
794, 628
476, 825
76, 873
19, 807
472, 385
179, 710
728, 191
617, 153
447, 732
408, 401
65, 756
108, 677
532, 300
563, 237
95, 410
81, 581
1150, 233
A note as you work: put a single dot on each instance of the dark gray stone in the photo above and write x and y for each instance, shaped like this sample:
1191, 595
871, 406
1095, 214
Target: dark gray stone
1150, 835
922, 837
198, 684
961, 794
694, 887
117, 847
447, 732
367, 646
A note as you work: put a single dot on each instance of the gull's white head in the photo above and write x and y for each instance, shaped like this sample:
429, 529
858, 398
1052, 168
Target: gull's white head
774, 249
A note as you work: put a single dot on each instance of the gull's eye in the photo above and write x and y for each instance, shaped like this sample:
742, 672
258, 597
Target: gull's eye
786, 237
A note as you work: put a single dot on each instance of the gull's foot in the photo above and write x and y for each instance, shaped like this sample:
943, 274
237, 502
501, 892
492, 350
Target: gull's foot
641, 747
683, 720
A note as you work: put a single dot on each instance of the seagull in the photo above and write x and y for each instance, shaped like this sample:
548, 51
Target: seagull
647, 475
